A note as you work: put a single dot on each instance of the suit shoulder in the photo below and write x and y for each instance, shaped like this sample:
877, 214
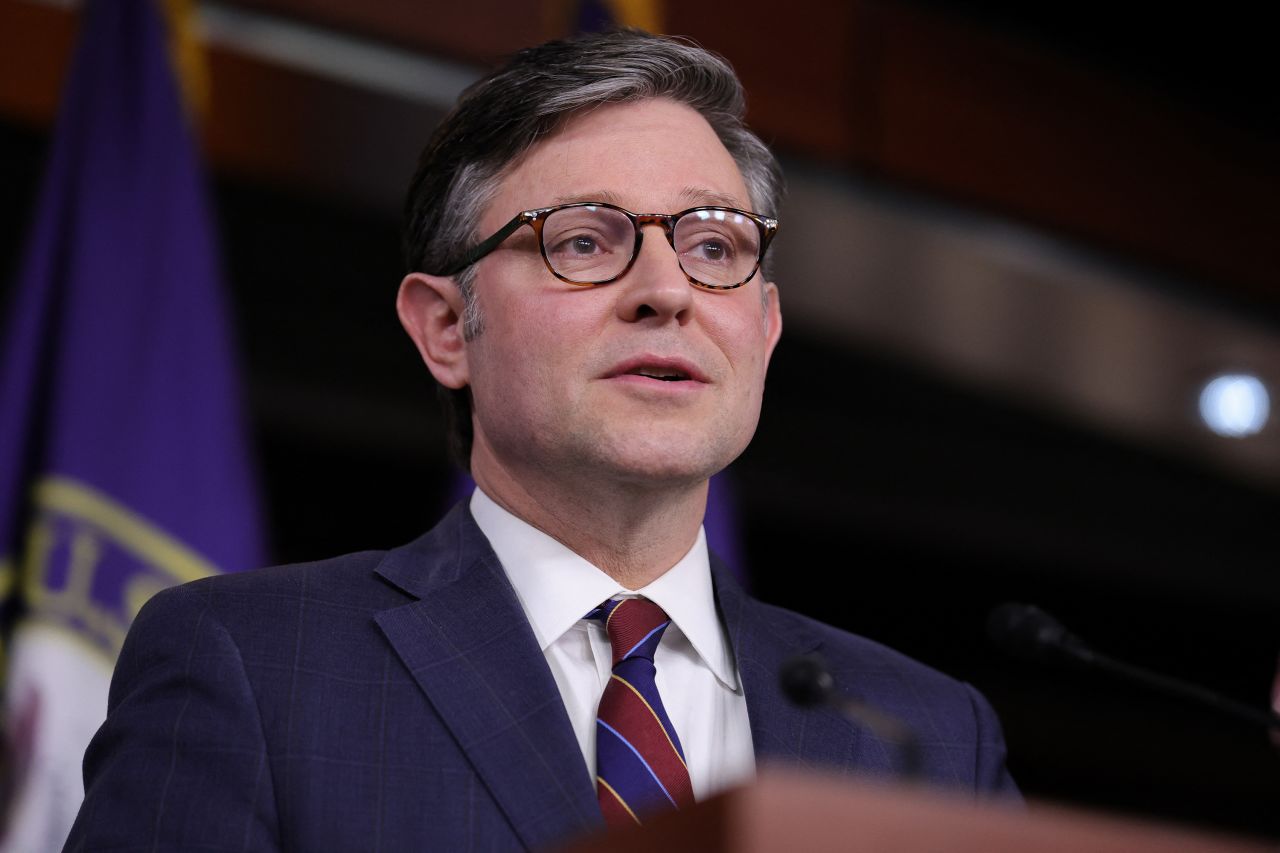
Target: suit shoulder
958, 730
346, 582
869, 659
262, 618
290, 576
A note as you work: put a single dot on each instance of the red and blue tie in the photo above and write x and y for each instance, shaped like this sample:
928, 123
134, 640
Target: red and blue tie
640, 766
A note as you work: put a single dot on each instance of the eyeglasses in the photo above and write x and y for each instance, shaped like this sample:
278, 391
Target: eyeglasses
591, 243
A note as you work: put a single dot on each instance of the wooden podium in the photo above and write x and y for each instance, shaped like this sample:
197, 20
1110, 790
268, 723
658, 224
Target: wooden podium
789, 811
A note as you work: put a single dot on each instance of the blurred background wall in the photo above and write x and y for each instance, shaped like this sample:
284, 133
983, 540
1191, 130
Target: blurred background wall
1020, 239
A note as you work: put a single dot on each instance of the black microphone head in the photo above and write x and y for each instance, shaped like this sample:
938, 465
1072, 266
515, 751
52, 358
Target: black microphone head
1026, 631
806, 681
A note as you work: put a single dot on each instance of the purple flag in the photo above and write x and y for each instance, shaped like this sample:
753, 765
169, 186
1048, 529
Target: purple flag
123, 463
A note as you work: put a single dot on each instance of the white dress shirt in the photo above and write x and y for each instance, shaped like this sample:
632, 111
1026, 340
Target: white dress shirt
696, 673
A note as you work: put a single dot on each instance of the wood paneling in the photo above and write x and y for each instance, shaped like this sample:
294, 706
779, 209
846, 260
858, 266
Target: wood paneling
475, 30
907, 93
979, 116
35, 42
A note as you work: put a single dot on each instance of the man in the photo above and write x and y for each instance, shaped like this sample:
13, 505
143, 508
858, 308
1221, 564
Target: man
600, 364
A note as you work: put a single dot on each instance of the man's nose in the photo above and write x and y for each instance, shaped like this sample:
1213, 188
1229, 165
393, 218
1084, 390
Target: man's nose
655, 286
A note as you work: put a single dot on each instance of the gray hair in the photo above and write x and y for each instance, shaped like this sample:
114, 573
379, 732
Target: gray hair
499, 118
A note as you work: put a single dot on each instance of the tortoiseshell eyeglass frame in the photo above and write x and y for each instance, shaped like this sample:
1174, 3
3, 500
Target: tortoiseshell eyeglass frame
536, 218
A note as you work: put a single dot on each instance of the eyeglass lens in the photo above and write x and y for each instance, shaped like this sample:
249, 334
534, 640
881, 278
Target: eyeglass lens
590, 244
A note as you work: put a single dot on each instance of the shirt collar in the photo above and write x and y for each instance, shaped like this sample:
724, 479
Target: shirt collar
556, 587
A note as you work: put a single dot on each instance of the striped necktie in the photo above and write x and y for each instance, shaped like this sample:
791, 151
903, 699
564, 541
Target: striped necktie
640, 766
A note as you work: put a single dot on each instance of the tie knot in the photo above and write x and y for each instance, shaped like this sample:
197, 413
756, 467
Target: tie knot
634, 625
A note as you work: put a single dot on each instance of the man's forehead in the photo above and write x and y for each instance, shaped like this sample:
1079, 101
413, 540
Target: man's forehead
689, 196
650, 156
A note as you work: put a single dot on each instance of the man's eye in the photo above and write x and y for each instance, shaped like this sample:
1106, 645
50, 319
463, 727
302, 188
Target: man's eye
711, 249
714, 250
576, 245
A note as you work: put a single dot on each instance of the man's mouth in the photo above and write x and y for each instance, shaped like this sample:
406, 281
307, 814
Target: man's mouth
660, 368
664, 373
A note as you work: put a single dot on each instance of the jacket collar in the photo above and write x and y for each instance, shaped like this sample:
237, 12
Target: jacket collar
465, 640
764, 639
520, 741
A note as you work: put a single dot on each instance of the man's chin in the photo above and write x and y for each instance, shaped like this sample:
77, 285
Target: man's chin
663, 464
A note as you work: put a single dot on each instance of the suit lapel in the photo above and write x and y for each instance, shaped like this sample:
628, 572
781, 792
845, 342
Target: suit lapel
468, 644
763, 640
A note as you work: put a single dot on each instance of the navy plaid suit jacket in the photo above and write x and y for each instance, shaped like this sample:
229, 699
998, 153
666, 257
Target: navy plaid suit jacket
398, 700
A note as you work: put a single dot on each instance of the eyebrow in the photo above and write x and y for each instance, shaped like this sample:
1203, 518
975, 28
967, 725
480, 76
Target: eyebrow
598, 195
694, 196
699, 195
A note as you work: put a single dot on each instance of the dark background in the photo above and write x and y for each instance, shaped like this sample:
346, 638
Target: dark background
879, 495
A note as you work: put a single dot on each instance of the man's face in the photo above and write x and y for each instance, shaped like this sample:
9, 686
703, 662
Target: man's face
564, 379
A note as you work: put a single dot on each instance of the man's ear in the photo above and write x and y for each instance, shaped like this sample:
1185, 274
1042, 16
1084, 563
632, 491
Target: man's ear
431, 309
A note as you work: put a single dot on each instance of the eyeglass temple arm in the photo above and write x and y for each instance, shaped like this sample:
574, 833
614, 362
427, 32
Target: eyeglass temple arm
481, 249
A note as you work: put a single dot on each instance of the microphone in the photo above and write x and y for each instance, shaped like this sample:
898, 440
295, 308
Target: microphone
808, 683
1027, 632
